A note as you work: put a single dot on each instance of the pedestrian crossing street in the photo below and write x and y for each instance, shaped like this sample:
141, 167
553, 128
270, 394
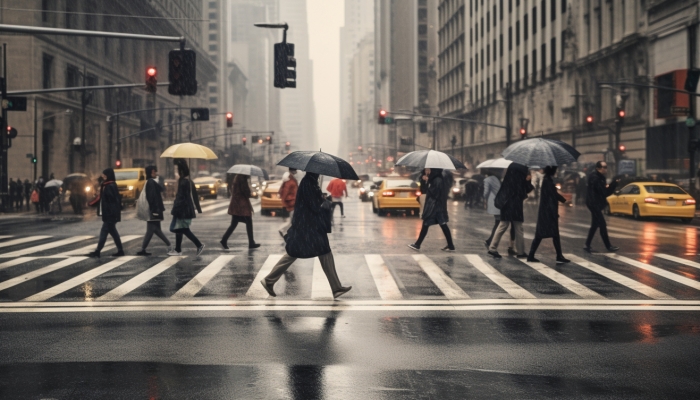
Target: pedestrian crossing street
46, 274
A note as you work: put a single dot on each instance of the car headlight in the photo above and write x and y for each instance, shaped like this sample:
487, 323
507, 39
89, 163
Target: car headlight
211, 186
88, 188
371, 194
362, 190
196, 186
455, 190
130, 187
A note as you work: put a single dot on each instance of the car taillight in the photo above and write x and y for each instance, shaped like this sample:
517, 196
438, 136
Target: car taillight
418, 194
388, 194
689, 202
651, 200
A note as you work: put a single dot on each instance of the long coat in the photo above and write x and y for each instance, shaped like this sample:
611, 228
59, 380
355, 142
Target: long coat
110, 207
548, 214
491, 187
435, 209
288, 192
240, 202
513, 192
308, 236
597, 194
155, 200
186, 200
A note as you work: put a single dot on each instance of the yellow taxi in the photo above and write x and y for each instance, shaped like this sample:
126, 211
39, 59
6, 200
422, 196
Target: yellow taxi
394, 194
270, 200
207, 187
130, 183
652, 199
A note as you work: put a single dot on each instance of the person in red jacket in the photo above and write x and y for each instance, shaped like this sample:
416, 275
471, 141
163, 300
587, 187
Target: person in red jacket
337, 189
288, 195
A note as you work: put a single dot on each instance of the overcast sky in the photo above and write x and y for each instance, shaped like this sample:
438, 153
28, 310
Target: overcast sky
325, 19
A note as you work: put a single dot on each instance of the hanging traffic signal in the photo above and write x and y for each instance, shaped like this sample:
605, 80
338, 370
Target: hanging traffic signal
523, 127
269, 140
285, 66
182, 72
151, 79
382, 117
622, 148
523, 132
11, 132
287, 146
118, 163
620, 115
589, 120
229, 119
245, 140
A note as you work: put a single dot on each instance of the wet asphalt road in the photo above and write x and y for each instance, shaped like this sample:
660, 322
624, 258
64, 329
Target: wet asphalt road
434, 325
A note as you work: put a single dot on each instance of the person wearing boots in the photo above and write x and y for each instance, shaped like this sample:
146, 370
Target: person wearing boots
435, 210
240, 210
548, 216
308, 237
185, 206
110, 208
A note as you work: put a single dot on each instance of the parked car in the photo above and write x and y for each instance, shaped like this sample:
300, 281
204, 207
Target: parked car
652, 199
396, 194
207, 187
130, 183
270, 200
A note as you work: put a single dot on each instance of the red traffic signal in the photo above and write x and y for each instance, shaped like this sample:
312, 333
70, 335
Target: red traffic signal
152, 71
151, 79
11, 132
245, 140
118, 163
621, 113
269, 140
589, 119
622, 148
229, 119
382, 116
523, 131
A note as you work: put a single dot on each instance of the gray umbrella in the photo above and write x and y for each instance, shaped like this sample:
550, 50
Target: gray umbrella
319, 163
247, 169
430, 159
539, 152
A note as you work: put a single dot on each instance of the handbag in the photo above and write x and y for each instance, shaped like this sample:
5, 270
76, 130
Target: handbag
178, 224
35, 197
143, 210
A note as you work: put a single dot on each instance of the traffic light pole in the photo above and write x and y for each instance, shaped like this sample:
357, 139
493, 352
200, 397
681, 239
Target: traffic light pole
4, 141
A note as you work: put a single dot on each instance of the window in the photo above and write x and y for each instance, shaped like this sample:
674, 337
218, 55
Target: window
212, 15
212, 36
563, 6
553, 57
488, 26
510, 6
471, 37
213, 26
71, 18
72, 79
534, 66
500, 6
476, 31
517, 33
510, 73
422, 29
500, 76
517, 75
212, 47
525, 30
482, 27
213, 89
554, 9
543, 72
544, 13
526, 71
212, 4
500, 38
494, 49
628, 189
213, 100
510, 38
91, 80
110, 104
47, 16
534, 20
477, 62
471, 67
47, 70
488, 54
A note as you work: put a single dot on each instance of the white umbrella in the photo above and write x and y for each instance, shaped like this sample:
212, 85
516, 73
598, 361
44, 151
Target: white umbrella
246, 169
53, 183
430, 159
496, 163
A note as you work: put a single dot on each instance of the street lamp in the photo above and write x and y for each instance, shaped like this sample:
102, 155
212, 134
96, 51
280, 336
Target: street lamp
36, 122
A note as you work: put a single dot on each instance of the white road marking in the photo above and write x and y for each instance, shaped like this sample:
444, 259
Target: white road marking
655, 270
39, 272
563, 280
78, 280
506, 236
446, 285
219, 213
612, 235
320, 288
679, 260
87, 249
256, 290
135, 282
17, 261
621, 279
47, 246
5, 236
202, 278
570, 234
386, 285
215, 206
22, 240
512, 288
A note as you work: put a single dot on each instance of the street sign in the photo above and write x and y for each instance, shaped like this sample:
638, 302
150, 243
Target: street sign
15, 103
690, 122
675, 110
30, 155
628, 167
199, 114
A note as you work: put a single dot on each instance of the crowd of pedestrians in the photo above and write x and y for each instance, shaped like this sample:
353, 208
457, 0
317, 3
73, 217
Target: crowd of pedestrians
22, 194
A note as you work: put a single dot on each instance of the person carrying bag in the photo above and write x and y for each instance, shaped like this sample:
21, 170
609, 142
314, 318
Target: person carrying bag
150, 208
184, 207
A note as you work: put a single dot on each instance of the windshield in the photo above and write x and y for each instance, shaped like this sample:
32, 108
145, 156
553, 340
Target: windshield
392, 184
664, 189
126, 175
205, 179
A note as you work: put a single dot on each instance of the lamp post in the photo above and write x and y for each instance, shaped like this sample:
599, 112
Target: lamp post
36, 123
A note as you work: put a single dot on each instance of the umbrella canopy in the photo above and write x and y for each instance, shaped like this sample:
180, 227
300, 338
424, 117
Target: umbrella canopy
54, 183
430, 159
189, 150
539, 152
319, 163
499, 163
246, 169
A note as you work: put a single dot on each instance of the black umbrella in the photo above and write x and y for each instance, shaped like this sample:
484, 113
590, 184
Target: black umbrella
540, 152
319, 163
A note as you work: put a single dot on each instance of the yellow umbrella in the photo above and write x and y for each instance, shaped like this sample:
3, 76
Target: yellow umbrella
189, 150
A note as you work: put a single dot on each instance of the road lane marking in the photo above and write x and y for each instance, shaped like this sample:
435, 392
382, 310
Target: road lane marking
512, 288
135, 282
16, 261
447, 286
215, 206
78, 280
39, 272
386, 285
219, 213
47, 246
202, 278
5, 236
21, 241
613, 235
87, 249
678, 260
320, 288
256, 290
570, 234
506, 236
621, 279
656, 270
563, 280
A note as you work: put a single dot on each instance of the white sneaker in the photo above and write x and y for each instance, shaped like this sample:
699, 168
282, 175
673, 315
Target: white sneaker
174, 253
170, 248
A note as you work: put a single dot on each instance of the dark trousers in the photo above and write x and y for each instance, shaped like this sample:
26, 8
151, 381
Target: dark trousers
497, 221
109, 228
185, 232
538, 239
597, 221
445, 230
338, 203
235, 219
153, 227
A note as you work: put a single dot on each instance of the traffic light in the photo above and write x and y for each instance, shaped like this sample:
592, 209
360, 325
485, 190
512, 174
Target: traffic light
229, 119
269, 140
691, 81
285, 66
382, 117
589, 121
182, 72
523, 128
11, 132
245, 140
34, 160
287, 146
622, 148
151, 79
620, 115
118, 163
359, 148
199, 114
523, 132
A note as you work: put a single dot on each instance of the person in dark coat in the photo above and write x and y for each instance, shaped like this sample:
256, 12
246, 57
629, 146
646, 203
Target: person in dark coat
509, 199
308, 237
596, 200
27, 192
11, 193
156, 208
240, 210
19, 194
109, 206
435, 209
548, 216
184, 207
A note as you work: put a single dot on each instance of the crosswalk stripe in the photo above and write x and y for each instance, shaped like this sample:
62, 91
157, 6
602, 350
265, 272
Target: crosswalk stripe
202, 278
222, 212
679, 260
5, 236
563, 280
570, 234
658, 271
87, 249
215, 206
612, 235
320, 288
512, 288
39, 272
386, 285
256, 290
506, 236
47, 246
16, 261
446, 285
135, 282
621, 279
22, 240
78, 280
